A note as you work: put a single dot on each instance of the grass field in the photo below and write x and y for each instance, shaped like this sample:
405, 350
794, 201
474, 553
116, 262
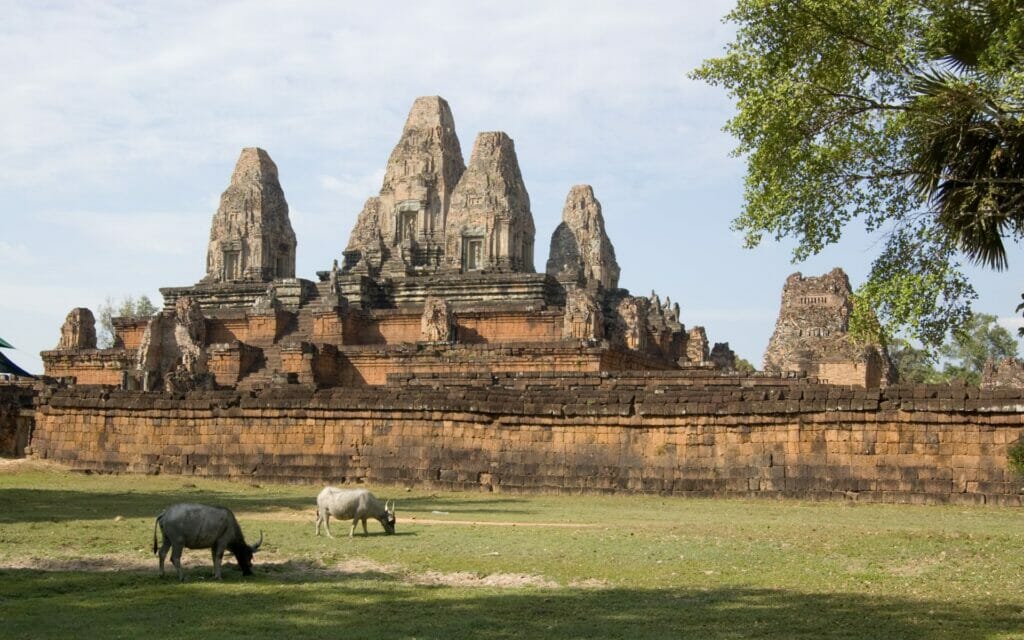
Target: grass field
76, 561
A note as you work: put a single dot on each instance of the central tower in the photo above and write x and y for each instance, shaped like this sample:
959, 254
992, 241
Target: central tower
402, 229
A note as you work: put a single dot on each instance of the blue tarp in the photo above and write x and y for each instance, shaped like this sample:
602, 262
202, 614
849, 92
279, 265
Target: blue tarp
6, 366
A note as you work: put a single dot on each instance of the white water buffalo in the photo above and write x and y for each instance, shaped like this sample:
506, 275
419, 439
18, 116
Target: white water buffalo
198, 526
358, 504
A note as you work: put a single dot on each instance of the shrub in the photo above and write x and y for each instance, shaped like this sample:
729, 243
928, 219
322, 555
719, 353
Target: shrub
1015, 456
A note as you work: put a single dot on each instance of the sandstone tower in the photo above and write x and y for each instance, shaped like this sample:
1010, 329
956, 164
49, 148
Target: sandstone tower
811, 335
251, 237
402, 228
580, 249
490, 226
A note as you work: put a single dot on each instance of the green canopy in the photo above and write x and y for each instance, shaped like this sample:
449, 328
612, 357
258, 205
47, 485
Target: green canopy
5, 344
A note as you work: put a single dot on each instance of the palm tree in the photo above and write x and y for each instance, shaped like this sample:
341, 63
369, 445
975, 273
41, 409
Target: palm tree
969, 151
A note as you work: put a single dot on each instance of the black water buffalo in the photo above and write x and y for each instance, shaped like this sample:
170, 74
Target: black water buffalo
198, 526
358, 504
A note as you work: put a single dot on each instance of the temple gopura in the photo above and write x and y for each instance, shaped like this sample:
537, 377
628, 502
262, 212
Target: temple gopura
437, 278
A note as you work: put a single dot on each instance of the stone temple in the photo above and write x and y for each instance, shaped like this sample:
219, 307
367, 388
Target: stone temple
438, 277
431, 352
811, 335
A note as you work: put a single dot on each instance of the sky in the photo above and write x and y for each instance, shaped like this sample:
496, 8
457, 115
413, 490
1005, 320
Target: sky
121, 122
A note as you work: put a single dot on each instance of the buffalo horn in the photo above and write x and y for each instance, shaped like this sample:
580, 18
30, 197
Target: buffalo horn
256, 546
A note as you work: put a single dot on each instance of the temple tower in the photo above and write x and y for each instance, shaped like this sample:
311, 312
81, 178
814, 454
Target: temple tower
251, 237
403, 227
581, 252
490, 227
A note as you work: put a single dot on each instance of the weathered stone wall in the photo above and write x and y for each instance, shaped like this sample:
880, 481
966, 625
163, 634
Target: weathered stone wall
16, 418
664, 432
89, 366
368, 365
472, 327
128, 332
246, 326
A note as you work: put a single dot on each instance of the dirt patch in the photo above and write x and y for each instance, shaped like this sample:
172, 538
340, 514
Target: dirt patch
92, 564
18, 465
492, 523
916, 568
365, 565
298, 568
292, 515
493, 580
112, 562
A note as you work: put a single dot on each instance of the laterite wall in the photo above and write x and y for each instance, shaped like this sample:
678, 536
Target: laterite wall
16, 402
564, 433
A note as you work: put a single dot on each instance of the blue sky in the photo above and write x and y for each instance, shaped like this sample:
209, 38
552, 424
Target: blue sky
121, 123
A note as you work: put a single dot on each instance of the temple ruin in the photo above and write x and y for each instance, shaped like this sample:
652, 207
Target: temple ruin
430, 352
437, 276
812, 335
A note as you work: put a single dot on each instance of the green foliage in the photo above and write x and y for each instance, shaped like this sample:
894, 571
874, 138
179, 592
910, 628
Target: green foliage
864, 327
632, 567
912, 363
129, 307
1015, 457
903, 114
744, 366
979, 339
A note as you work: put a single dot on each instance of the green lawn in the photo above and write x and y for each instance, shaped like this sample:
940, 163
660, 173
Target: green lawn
76, 561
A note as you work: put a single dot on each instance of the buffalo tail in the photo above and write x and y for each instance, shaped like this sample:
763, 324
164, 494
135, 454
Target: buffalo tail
155, 525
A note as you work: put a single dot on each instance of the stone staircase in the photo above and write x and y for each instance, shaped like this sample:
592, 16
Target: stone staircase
299, 329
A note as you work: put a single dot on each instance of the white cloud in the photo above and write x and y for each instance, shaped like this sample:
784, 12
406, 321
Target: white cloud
96, 85
1011, 323
16, 255
353, 187
143, 233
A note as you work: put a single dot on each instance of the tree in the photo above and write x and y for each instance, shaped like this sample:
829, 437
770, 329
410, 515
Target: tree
744, 366
912, 363
129, 307
964, 355
979, 340
905, 115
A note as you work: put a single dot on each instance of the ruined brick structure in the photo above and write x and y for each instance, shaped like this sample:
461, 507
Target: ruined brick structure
812, 334
1007, 372
438, 275
17, 417
431, 352
680, 433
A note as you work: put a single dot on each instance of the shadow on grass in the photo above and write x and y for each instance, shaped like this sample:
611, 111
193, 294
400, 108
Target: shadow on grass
290, 600
52, 505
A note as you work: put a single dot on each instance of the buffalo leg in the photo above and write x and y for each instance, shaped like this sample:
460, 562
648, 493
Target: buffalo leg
176, 561
352, 531
163, 554
218, 557
324, 515
365, 532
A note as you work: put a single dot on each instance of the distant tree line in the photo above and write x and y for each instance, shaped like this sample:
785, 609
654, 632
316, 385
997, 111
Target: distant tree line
128, 307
